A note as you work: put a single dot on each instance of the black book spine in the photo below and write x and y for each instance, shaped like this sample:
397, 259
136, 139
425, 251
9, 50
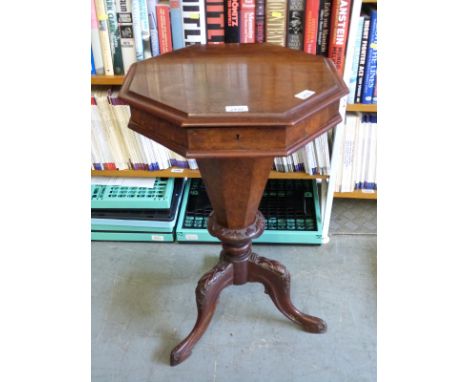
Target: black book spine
362, 60
323, 30
260, 21
232, 25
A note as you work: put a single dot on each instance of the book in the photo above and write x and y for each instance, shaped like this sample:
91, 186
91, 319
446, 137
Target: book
93, 68
113, 26
355, 60
362, 59
233, 21
104, 38
348, 154
247, 21
153, 28
323, 27
137, 36
145, 29
370, 69
339, 25
374, 96
127, 42
177, 24
275, 19
311, 26
95, 43
295, 28
164, 28
260, 21
215, 21
104, 160
194, 22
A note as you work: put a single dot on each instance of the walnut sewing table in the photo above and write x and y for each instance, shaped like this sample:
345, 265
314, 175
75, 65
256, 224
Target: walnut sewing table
233, 108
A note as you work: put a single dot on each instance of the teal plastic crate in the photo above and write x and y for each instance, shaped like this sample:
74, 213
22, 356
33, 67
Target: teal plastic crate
291, 208
133, 197
132, 236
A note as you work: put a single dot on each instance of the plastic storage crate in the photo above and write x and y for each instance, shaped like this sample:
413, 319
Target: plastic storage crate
121, 224
133, 197
291, 209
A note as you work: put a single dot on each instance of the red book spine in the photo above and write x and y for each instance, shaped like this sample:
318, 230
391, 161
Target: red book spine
164, 28
339, 24
311, 26
247, 13
215, 21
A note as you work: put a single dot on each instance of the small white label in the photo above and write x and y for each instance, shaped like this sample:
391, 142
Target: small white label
237, 109
305, 94
157, 238
177, 170
191, 236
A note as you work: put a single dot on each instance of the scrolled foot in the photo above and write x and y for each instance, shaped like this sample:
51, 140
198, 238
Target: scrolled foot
207, 292
276, 279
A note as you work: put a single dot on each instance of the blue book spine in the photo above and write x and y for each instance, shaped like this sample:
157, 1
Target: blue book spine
93, 68
370, 70
137, 30
354, 68
177, 25
153, 25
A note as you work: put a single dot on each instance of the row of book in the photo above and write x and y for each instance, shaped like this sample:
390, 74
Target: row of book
363, 80
115, 147
125, 31
357, 168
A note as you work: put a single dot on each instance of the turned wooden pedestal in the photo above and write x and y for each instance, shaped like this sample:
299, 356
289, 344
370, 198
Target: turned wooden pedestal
234, 108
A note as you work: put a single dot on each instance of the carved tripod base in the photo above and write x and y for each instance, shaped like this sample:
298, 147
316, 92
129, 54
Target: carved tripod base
239, 265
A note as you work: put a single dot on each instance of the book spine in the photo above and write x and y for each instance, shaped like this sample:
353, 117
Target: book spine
145, 29
137, 37
311, 26
104, 37
341, 10
247, 17
215, 21
164, 28
323, 28
153, 27
276, 22
370, 69
296, 24
374, 96
194, 22
93, 68
362, 59
127, 42
177, 24
260, 21
95, 44
355, 63
117, 61
232, 27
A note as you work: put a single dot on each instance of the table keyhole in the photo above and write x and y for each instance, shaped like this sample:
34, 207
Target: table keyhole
237, 136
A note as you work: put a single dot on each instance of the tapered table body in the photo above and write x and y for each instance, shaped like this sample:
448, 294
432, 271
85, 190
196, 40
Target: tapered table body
234, 108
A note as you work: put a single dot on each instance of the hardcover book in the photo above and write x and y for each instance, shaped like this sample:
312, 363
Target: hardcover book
116, 49
323, 29
215, 21
137, 37
370, 70
95, 44
127, 42
233, 21
153, 27
260, 21
194, 22
177, 24
296, 24
164, 28
104, 37
145, 29
275, 18
311, 26
354, 69
247, 16
339, 23
362, 59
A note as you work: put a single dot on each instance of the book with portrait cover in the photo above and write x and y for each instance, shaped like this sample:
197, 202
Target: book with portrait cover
127, 42
296, 24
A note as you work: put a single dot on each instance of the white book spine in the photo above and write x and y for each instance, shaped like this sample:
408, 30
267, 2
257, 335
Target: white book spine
104, 37
357, 38
136, 16
192, 164
372, 156
127, 41
365, 155
326, 152
145, 29
95, 44
357, 147
348, 149
318, 154
193, 12
100, 134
